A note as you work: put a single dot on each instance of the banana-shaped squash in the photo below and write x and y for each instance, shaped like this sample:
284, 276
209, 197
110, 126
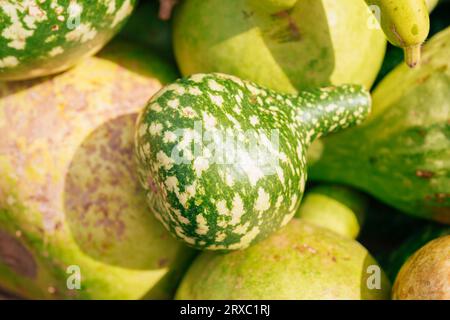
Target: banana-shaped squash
406, 24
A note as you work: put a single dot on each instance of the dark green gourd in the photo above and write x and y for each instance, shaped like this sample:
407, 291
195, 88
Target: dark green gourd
223, 160
401, 155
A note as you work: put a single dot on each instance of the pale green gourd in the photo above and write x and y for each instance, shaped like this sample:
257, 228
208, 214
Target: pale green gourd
335, 207
406, 24
283, 45
69, 192
299, 262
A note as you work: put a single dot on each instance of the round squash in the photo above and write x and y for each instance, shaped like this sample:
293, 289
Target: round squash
73, 220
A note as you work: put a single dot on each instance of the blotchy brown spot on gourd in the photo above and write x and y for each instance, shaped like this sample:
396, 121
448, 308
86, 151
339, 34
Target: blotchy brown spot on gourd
442, 68
303, 248
16, 256
248, 14
276, 257
163, 262
152, 185
423, 79
441, 214
289, 34
111, 149
425, 174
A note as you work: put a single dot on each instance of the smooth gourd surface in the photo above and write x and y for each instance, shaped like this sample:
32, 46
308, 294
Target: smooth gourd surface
300, 261
336, 207
426, 274
315, 43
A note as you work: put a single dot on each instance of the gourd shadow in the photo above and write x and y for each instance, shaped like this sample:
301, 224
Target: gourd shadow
139, 60
296, 44
145, 27
105, 207
9, 88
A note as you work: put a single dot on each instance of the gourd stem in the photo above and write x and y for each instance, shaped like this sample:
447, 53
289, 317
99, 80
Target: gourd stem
412, 55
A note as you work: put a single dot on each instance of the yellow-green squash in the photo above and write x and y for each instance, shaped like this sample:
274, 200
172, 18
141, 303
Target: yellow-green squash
70, 202
335, 207
300, 261
284, 45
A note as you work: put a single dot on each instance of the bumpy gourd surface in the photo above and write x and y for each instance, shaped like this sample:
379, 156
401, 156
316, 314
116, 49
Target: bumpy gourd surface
43, 37
210, 201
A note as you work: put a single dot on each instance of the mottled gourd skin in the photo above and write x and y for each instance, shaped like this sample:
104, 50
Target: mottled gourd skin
401, 154
69, 192
426, 275
335, 207
420, 238
223, 196
299, 262
316, 43
39, 38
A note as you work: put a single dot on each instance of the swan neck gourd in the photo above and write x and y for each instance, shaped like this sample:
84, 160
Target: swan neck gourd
223, 161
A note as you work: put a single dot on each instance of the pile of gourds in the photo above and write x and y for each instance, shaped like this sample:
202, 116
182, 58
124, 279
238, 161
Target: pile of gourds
173, 162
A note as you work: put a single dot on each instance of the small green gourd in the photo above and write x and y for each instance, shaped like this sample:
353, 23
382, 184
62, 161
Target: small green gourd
406, 24
244, 176
335, 207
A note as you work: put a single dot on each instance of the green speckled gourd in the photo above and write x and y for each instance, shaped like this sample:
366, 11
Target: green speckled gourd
335, 207
299, 262
401, 155
39, 38
223, 160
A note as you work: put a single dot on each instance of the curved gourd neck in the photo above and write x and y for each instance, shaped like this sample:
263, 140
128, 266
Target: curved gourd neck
327, 110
